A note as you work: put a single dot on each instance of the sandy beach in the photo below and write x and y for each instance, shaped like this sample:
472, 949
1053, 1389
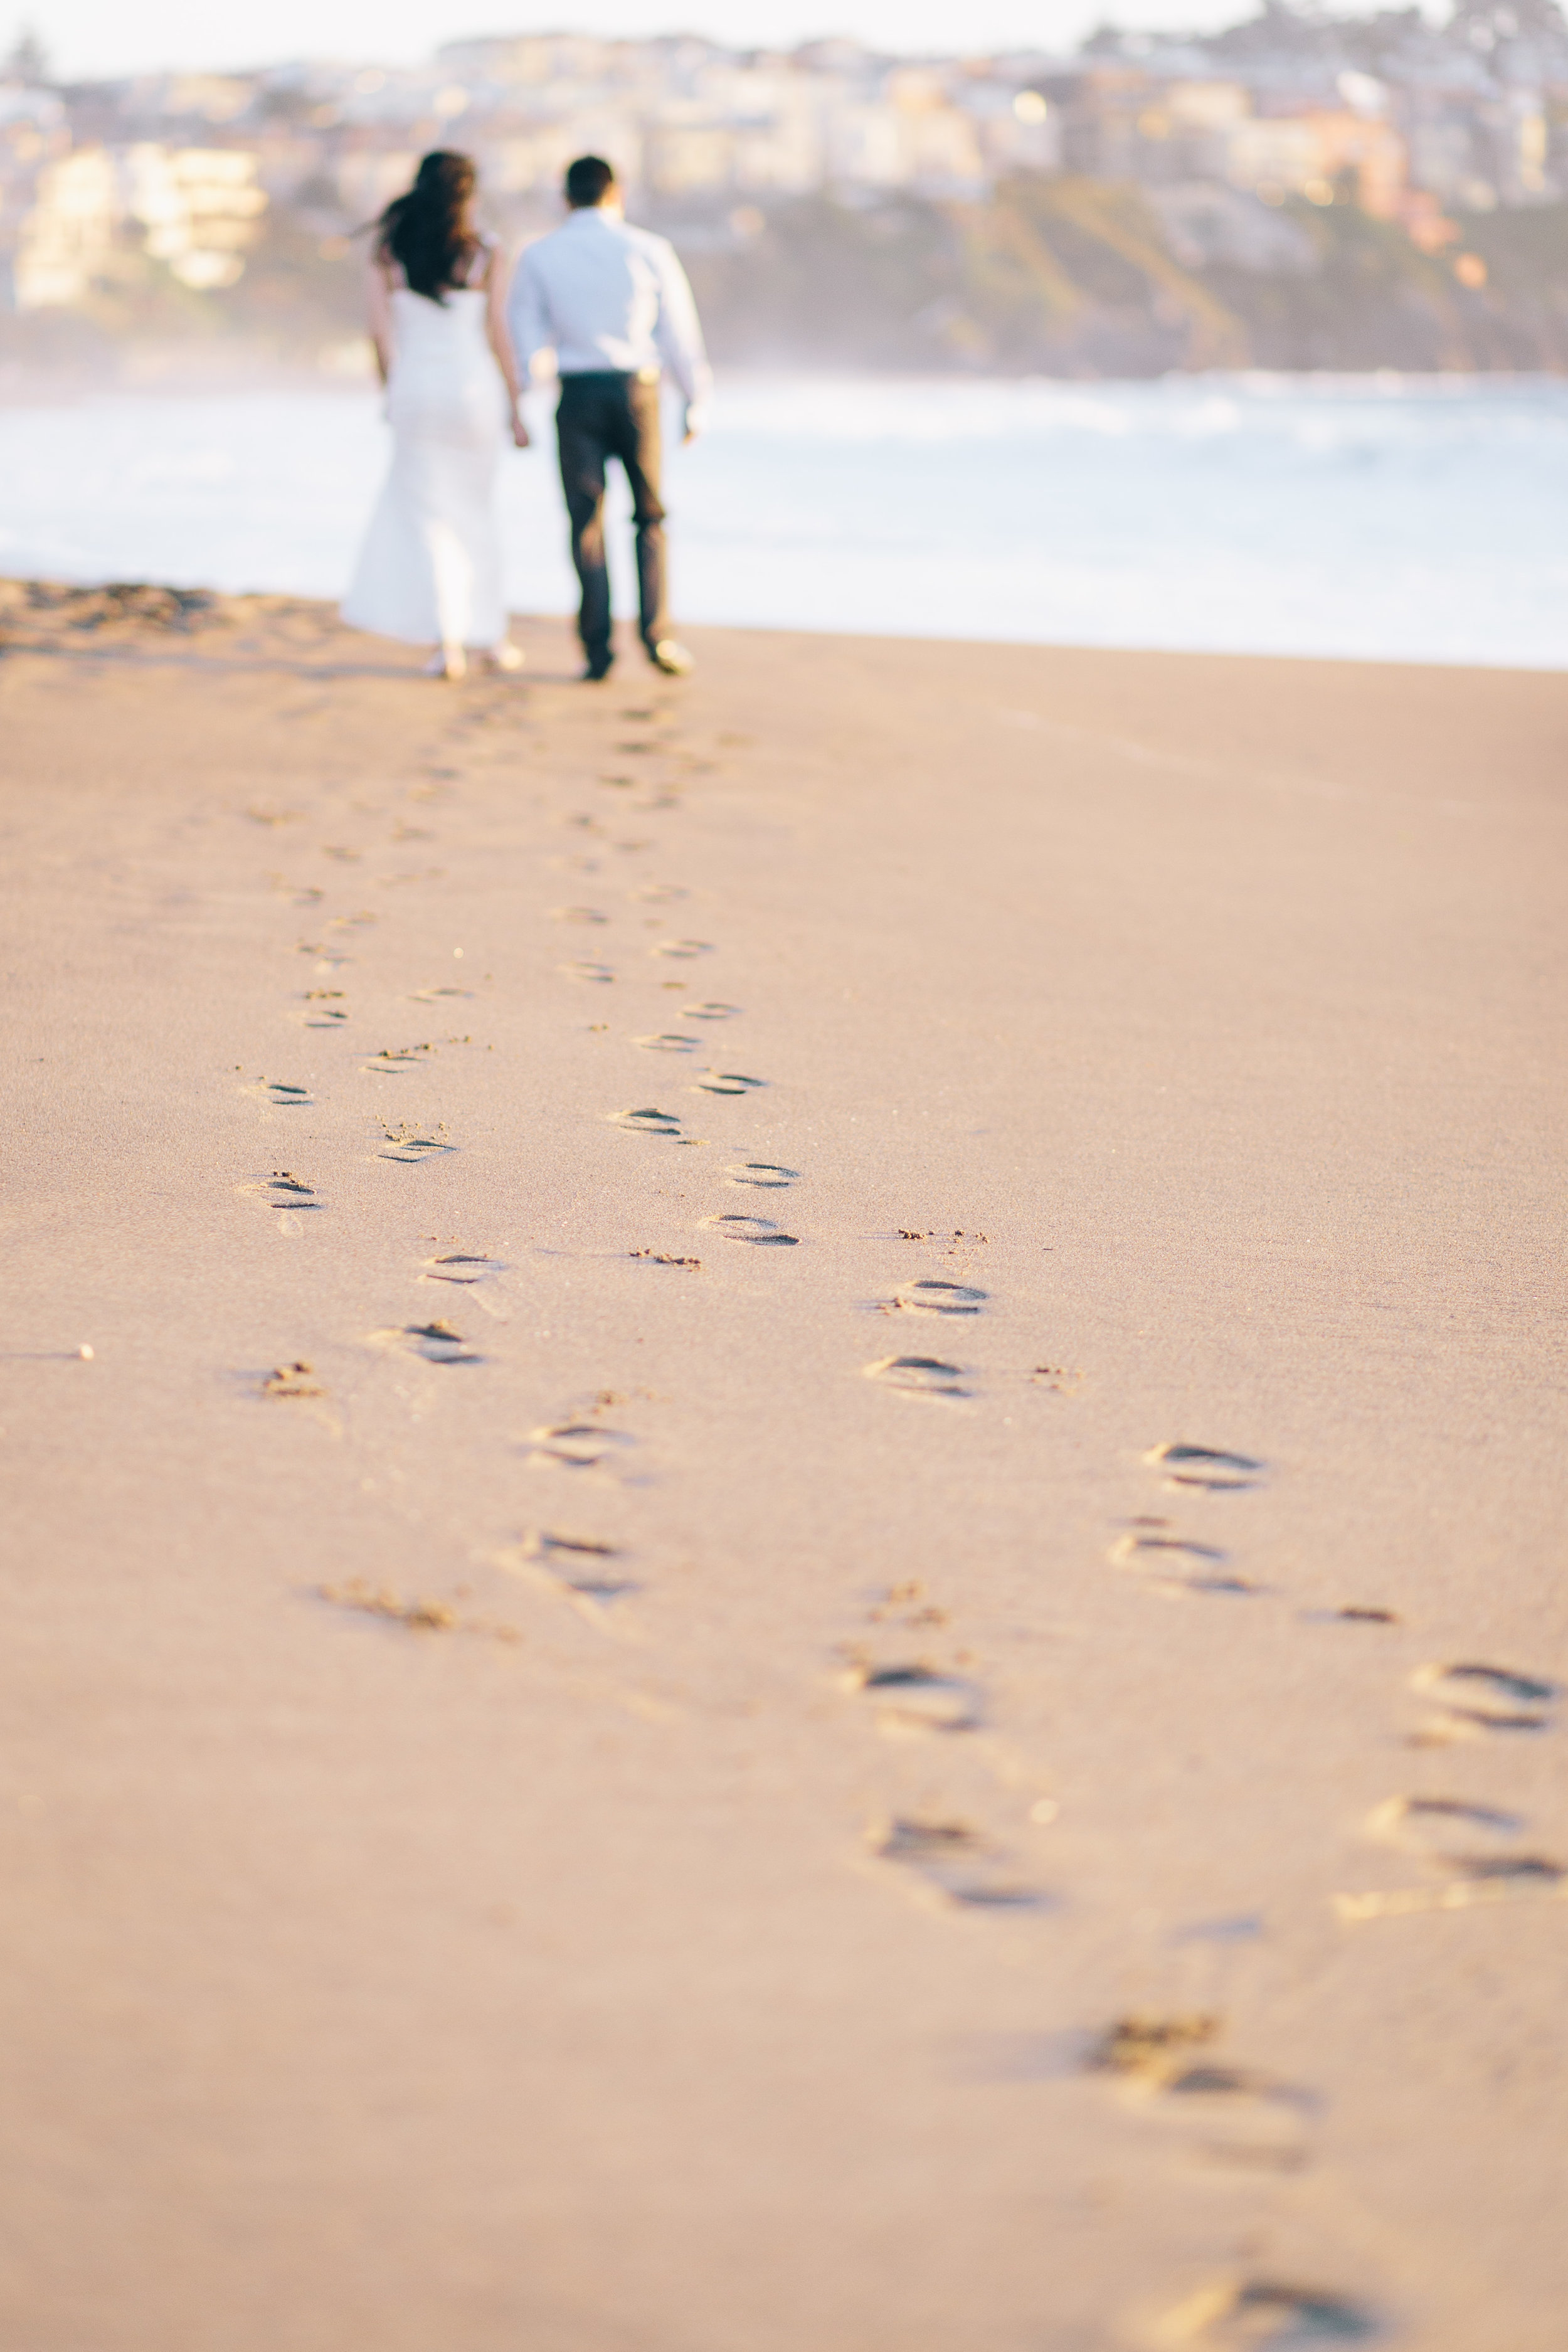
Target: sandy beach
785, 1468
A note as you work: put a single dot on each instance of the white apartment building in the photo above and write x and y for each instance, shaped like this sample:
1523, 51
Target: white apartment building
197, 209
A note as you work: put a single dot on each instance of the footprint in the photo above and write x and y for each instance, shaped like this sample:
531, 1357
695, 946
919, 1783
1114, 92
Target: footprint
725, 1082
1166, 2062
1266, 2316
1176, 1565
573, 1445
917, 1697
392, 1060
1140, 2045
667, 1042
420, 1616
1204, 1465
919, 1375
1468, 1701
955, 1858
434, 995
1453, 1834
578, 1563
286, 1097
585, 969
284, 1191
938, 1298
759, 1230
291, 1380
577, 914
763, 1173
411, 1145
460, 1266
647, 1121
473, 1273
658, 894
437, 1342
321, 1015
709, 1012
683, 949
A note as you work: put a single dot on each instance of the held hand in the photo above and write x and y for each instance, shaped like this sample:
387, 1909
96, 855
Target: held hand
691, 426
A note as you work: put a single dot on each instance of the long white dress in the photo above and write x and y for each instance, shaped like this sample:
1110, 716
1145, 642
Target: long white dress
429, 571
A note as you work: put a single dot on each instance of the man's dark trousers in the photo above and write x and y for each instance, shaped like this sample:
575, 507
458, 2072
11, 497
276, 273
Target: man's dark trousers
603, 416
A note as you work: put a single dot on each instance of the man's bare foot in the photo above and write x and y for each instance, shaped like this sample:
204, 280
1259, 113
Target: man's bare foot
447, 661
505, 656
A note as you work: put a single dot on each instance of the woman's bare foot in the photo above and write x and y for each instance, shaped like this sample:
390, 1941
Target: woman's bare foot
447, 661
505, 656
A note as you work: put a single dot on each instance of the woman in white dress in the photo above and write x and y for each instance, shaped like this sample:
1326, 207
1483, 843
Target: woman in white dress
430, 570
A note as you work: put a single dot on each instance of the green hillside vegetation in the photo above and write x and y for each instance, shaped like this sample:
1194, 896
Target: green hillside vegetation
1064, 275
1055, 274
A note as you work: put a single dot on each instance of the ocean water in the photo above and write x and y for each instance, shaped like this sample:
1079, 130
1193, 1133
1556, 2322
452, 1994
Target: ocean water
1388, 517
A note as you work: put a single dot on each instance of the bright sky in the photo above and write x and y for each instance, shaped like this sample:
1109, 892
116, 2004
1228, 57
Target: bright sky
85, 37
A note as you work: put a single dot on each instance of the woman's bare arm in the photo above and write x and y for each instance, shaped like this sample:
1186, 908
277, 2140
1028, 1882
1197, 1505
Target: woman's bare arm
378, 307
496, 277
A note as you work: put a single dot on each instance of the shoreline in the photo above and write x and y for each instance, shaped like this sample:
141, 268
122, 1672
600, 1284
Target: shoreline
628, 1732
384, 657
1209, 516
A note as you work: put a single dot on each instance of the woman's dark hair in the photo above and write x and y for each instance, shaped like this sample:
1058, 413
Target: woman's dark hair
424, 230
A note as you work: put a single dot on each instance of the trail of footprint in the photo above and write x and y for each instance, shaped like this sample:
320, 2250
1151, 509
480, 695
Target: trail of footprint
1469, 1701
765, 1174
759, 1231
1204, 1465
924, 1376
1266, 2316
1175, 1565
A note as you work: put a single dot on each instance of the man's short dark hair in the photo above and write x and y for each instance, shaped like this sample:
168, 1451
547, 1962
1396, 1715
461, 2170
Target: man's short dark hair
588, 182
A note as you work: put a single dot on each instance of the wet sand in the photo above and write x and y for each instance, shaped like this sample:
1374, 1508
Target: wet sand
625, 1733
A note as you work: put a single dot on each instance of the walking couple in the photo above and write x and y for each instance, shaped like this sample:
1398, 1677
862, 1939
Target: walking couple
456, 346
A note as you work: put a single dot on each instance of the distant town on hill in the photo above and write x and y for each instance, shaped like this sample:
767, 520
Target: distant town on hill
1299, 190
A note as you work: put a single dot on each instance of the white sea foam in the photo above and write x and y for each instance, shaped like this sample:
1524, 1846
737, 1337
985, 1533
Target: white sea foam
1413, 519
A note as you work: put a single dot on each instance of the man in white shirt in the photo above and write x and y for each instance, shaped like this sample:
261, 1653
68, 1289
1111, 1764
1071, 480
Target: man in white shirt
614, 305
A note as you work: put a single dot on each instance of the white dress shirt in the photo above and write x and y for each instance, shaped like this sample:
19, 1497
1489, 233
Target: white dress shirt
602, 296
